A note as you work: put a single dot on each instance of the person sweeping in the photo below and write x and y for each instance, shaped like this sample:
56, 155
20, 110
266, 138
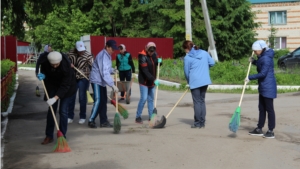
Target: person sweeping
60, 84
196, 70
267, 87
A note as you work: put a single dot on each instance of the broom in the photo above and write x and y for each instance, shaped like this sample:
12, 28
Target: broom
61, 144
153, 118
90, 100
37, 91
235, 119
121, 109
117, 121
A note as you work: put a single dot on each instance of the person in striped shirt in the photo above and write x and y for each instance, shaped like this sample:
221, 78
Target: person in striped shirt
82, 60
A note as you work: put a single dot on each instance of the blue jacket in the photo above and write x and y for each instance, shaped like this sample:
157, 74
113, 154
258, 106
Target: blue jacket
196, 68
266, 79
102, 70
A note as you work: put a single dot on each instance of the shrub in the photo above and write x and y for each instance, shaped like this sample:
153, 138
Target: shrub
281, 52
6, 64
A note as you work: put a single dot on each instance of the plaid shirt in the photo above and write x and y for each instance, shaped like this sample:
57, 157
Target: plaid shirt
83, 63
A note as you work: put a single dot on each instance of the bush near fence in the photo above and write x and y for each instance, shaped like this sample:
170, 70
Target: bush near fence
8, 81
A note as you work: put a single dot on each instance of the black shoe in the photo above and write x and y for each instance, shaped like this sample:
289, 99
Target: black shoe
92, 124
194, 127
202, 126
106, 124
269, 134
256, 132
139, 120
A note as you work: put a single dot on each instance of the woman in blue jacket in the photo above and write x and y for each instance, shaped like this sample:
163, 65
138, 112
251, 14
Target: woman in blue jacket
267, 87
196, 70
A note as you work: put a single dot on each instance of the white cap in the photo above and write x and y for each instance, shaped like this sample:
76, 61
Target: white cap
259, 45
80, 46
54, 57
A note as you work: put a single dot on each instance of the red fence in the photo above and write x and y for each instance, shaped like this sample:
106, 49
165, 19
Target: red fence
9, 49
164, 46
5, 81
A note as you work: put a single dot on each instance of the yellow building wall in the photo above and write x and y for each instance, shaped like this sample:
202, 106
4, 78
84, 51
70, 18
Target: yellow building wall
291, 30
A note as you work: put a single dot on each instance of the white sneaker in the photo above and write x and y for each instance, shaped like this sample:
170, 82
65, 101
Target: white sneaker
81, 121
70, 120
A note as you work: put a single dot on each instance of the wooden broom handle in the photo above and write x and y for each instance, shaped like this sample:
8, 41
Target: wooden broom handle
116, 94
80, 72
177, 103
156, 90
52, 111
245, 82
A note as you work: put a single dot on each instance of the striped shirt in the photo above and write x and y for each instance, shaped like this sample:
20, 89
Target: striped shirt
83, 62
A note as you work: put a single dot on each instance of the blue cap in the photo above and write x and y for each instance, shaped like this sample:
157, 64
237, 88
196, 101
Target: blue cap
113, 44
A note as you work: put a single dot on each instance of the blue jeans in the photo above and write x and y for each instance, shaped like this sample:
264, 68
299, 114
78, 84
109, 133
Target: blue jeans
100, 104
147, 94
198, 95
63, 115
82, 85
125, 75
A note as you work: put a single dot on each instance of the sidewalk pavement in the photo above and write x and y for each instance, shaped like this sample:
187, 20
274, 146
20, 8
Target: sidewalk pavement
138, 146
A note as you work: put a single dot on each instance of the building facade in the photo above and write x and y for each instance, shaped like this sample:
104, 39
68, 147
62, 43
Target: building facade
284, 16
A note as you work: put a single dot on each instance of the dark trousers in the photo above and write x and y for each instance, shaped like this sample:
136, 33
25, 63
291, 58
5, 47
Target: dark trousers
266, 105
100, 103
125, 75
198, 95
82, 87
63, 115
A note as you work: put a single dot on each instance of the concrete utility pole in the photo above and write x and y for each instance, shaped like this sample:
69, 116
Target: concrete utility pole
210, 35
188, 21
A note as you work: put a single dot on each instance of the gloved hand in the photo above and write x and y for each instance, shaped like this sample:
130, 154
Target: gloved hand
156, 82
251, 59
51, 101
115, 89
41, 76
159, 60
247, 80
116, 71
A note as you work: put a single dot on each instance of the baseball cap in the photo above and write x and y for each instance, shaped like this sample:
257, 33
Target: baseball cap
80, 46
113, 44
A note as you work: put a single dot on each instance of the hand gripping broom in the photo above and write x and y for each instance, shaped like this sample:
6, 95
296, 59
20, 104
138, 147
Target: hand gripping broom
117, 121
61, 144
235, 119
88, 95
153, 118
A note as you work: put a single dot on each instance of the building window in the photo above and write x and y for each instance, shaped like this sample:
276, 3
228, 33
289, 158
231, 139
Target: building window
277, 17
279, 43
23, 49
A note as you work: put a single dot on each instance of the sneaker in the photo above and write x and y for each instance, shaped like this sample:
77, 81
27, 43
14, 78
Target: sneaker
47, 140
70, 121
139, 120
106, 124
92, 124
269, 134
256, 132
81, 121
194, 127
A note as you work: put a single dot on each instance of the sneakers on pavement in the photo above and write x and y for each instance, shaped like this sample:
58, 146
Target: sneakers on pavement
139, 120
195, 127
256, 132
70, 121
269, 134
92, 124
47, 140
106, 124
81, 121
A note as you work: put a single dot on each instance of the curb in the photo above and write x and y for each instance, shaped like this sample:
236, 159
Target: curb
5, 114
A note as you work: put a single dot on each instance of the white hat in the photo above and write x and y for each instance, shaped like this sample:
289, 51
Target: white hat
259, 45
80, 46
54, 57
123, 46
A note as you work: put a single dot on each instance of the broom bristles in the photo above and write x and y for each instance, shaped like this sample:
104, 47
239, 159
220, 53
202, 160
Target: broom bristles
117, 123
153, 120
235, 121
61, 145
121, 109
